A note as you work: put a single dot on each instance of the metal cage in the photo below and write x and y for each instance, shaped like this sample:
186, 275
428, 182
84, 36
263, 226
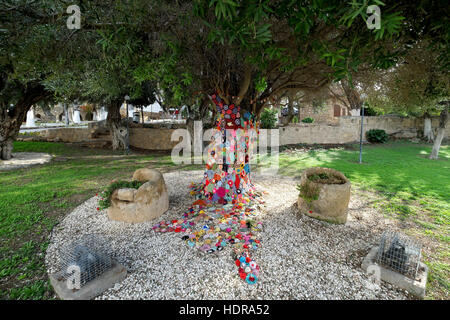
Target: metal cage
84, 260
399, 253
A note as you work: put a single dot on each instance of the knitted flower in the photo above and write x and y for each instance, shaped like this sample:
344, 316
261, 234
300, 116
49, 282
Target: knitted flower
251, 278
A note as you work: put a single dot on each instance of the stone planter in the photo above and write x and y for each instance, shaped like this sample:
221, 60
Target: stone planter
148, 202
324, 201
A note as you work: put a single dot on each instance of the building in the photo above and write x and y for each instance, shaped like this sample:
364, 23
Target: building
327, 112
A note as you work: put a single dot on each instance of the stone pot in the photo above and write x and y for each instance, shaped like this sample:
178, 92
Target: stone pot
148, 202
330, 201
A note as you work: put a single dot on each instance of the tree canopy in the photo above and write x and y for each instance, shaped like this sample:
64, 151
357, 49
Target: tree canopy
416, 85
252, 52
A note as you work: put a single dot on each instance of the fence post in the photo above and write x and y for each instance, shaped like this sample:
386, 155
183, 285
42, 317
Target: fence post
361, 134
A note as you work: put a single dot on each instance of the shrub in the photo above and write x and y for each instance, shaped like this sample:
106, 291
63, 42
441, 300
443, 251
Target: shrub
308, 120
325, 178
295, 119
269, 118
105, 197
368, 111
308, 191
318, 176
377, 136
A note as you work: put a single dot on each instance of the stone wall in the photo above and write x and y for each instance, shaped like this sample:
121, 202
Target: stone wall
325, 113
152, 138
346, 130
322, 114
67, 134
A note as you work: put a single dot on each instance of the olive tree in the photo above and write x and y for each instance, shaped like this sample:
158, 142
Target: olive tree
245, 55
416, 85
26, 44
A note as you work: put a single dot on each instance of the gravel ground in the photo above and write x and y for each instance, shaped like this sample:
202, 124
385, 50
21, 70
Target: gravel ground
300, 258
24, 159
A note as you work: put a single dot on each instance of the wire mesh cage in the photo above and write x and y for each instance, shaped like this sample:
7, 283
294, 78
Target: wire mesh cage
84, 260
399, 253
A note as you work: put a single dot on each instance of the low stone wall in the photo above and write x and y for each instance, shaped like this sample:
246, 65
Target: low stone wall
152, 139
67, 134
346, 130
143, 138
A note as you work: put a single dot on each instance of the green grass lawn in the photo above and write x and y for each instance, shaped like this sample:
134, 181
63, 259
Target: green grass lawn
411, 189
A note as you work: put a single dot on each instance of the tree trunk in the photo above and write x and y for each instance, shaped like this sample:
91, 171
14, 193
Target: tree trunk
118, 130
6, 147
290, 115
427, 129
48, 113
66, 114
227, 175
197, 114
12, 119
190, 126
8, 120
352, 95
440, 133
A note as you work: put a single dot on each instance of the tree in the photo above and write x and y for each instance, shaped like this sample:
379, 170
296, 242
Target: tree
288, 100
107, 50
347, 94
41, 57
251, 52
443, 121
26, 44
417, 84
244, 55
38, 53
143, 95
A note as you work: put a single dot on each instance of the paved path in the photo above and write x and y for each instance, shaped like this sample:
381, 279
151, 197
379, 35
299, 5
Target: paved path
24, 159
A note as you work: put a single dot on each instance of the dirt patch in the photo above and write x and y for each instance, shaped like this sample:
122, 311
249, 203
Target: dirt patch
24, 159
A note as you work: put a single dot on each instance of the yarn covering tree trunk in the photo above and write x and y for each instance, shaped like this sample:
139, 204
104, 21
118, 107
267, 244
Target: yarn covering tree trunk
227, 176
